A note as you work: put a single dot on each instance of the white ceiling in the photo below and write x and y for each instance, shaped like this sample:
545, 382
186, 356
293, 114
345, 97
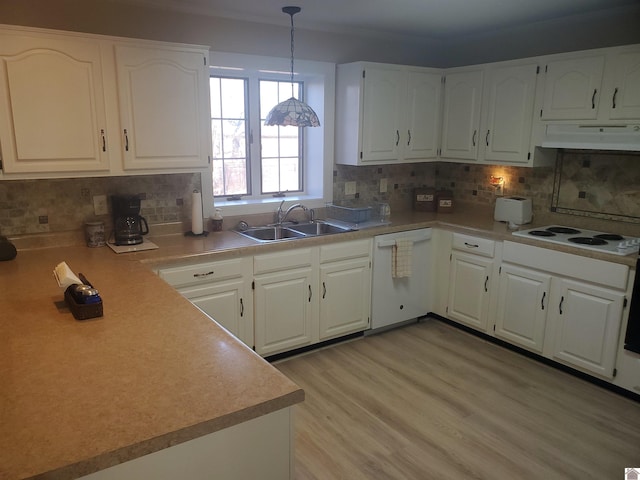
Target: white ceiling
423, 18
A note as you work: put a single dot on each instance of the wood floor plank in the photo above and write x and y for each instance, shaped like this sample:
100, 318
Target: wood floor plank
430, 401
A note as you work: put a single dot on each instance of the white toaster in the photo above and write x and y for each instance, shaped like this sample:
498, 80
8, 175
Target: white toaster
515, 210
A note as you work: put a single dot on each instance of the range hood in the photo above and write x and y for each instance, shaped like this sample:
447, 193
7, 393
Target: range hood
593, 137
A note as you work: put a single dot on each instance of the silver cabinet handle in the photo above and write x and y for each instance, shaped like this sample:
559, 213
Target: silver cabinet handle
560, 306
485, 283
593, 98
409, 135
473, 139
544, 294
397, 137
615, 93
471, 245
126, 140
486, 138
309, 293
104, 143
241, 308
324, 290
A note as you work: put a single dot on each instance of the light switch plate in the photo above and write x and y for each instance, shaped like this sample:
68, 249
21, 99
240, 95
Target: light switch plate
100, 205
350, 188
383, 185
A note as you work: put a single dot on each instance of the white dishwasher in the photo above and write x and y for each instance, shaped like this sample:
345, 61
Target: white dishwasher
397, 300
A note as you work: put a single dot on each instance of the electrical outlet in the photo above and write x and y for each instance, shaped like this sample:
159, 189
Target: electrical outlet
499, 192
100, 205
350, 188
383, 185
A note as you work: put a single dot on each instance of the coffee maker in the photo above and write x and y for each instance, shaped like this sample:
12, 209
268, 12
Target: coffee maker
128, 225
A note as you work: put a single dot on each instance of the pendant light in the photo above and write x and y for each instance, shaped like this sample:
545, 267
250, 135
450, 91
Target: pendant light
292, 111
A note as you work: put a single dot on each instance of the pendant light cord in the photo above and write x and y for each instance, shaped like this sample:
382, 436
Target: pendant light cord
292, 14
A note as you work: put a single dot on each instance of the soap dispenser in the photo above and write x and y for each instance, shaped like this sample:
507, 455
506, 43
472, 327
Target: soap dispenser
216, 220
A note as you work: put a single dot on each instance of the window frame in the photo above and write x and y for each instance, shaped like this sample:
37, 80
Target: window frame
317, 166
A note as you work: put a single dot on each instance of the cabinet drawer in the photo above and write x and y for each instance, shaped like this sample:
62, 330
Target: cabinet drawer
273, 262
345, 250
475, 245
202, 272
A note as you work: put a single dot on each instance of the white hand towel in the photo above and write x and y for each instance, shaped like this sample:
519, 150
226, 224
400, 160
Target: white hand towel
401, 259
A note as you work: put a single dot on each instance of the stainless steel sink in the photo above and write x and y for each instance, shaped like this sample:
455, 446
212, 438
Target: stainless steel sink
272, 233
318, 228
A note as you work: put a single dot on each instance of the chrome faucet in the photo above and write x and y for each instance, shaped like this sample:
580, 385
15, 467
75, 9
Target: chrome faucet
282, 216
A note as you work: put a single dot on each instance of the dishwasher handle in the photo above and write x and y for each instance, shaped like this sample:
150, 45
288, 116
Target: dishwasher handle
390, 242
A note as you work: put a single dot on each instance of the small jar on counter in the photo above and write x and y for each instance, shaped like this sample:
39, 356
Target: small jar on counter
216, 220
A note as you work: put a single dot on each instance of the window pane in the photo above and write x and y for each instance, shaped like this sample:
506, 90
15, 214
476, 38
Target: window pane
229, 136
281, 146
270, 175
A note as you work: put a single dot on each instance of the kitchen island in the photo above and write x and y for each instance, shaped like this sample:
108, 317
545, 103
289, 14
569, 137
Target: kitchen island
77, 397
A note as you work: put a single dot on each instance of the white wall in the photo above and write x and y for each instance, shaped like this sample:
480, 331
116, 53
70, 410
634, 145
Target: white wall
617, 27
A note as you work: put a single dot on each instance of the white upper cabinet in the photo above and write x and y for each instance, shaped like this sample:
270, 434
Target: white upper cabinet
386, 113
461, 115
573, 88
82, 105
623, 85
488, 113
598, 87
508, 113
163, 107
52, 104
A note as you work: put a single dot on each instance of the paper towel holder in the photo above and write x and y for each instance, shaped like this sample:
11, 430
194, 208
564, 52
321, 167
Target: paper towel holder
196, 216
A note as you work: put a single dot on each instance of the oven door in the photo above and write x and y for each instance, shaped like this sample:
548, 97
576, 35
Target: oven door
632, 337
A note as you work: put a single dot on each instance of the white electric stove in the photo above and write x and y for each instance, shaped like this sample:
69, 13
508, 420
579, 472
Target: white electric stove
581, 238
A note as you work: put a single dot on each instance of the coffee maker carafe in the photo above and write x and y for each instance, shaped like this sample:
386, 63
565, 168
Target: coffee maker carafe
128, 225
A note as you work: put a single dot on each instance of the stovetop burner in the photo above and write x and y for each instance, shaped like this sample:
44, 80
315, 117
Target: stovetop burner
542, 233
609, 236
604, 242
588, 240
567, 230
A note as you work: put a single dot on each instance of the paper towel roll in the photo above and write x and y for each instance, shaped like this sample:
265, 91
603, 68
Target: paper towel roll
196, 212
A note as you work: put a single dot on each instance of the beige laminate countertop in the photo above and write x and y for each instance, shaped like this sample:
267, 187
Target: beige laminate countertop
80, 396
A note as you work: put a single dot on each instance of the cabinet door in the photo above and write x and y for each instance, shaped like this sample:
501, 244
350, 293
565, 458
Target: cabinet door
624, 91
164, 98
228, 303
523, 303
469, 290
285, 303
52, 107
345, 297
572, 89
587, 323
510, 95
383, 96
421, 134
461, 118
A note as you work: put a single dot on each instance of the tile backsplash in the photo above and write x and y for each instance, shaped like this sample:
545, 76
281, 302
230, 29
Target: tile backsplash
56, 205
590, 185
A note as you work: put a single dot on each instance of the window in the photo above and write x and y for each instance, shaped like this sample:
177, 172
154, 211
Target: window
253, 166
278, 154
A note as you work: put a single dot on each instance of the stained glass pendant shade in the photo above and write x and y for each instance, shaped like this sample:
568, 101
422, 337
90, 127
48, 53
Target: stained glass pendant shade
292, 111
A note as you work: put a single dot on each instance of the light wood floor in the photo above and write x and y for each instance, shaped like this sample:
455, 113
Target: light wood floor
429, 401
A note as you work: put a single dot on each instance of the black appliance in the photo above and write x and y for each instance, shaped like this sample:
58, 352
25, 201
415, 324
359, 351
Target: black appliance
128, 225
632, 337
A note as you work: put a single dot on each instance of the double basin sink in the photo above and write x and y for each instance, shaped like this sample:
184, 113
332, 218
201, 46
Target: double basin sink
271, 233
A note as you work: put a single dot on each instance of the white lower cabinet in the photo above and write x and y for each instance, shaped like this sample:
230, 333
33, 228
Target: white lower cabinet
221, 289
470, 279
307, 295
345, 288
543, 307
286, 299
585, 326
523, 304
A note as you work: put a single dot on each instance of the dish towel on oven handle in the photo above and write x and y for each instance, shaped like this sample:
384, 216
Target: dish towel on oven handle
401, 259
